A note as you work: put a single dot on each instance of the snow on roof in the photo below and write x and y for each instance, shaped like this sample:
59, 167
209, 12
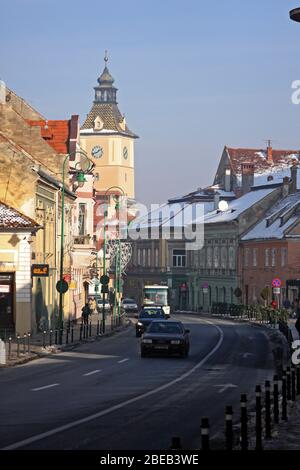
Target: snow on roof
12, 218
237, 206
174, 214
277, 226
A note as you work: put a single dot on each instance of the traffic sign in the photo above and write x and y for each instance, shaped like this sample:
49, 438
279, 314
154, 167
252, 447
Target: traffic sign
205, 285
276, 290
276, 282
104, 279
64, 288
205, 290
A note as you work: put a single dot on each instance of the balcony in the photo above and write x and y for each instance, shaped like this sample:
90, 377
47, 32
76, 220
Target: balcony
82, 240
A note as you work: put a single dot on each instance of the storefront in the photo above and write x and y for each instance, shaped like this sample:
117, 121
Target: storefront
7, 309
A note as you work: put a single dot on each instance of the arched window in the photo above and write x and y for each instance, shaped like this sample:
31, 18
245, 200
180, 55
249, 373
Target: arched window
156, 257
224, 257
216, 257
139, 257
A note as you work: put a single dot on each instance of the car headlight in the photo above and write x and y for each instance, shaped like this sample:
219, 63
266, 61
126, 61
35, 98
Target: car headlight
175, 341
148, 341
139, 323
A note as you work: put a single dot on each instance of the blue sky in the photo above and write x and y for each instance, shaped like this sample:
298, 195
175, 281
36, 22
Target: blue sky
192, 76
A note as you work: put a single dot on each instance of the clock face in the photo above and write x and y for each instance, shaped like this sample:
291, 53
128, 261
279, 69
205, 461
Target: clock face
97, 151
125, 153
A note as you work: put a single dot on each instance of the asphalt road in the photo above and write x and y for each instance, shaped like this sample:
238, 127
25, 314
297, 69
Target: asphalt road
103, 395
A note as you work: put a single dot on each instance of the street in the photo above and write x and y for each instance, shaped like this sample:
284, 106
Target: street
104, 396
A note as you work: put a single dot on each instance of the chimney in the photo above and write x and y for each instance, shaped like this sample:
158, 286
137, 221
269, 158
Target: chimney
293, 184
285, 186
269, 154
216, 200
2, 92
247, 177
227, 185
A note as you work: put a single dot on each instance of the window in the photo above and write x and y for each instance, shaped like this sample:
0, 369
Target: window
209, 257
267, 253
82, 219
144, 257
273, 256
283, 256
216, 257
254, 257
224, 257
149, 257
156, 257
202, 258
179, 258
246, 257
231, 258
139, 257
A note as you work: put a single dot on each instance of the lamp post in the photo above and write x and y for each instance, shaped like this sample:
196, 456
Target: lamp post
118, 252
81, 180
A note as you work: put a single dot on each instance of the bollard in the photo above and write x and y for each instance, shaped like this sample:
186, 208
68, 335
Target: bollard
50, 337
204, 434
80, 333
18, 345
97, 333
56, 336
268, 433
258, 424
24, 343
90, 329
244, 422
67, 335
293, 380
9, 347
44, 339
61, 335
72, 334
228, 427
176, 443
298, 378
284, 398
275, 399
28, 341
288, 384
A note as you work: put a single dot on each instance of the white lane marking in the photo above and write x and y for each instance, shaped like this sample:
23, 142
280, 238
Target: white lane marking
65, 427
224, 387
123, 360
43, 388
92, 372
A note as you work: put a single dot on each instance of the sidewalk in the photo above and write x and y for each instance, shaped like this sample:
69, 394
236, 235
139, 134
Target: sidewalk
27, 348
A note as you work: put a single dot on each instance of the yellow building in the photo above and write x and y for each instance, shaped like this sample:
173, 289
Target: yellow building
108, 141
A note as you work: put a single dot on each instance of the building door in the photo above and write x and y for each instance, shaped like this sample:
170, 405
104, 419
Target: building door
6, 302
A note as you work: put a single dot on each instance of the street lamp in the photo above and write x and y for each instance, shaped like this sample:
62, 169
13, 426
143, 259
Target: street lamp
118, 252
81, 180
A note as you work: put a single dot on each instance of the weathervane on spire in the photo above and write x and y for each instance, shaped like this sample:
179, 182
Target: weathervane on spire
106, 57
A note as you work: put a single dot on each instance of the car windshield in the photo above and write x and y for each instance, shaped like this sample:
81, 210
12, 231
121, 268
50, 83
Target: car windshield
166, 327
152, 313
128, 301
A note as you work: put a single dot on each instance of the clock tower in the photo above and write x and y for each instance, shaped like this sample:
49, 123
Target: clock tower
108, 141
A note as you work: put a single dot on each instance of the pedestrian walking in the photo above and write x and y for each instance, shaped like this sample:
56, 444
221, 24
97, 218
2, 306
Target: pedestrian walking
86, 313
297, 324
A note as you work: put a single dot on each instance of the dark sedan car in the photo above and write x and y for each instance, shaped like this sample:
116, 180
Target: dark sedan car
146, 316
169, 337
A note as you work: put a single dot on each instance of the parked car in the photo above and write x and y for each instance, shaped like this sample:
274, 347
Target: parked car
107, 306
146, 316
168, 337
129, 306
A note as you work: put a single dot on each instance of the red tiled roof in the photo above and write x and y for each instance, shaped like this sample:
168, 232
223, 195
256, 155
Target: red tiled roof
12, 218
55, 133
259, 158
